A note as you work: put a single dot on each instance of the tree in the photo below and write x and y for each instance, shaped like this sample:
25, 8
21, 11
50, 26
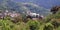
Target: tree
55, 9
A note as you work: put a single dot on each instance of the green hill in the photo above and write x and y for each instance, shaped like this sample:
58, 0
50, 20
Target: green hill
22, 7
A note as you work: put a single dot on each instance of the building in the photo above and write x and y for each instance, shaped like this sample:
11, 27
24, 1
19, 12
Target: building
34, 16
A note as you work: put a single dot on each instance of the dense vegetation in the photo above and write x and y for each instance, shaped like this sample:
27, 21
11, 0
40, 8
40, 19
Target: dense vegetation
51, 22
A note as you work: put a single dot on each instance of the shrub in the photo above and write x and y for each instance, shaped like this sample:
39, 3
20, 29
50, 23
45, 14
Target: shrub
34, 25
48, 26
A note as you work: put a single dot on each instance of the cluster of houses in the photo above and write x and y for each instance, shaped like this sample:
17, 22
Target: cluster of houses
7, 13
13, 14
30, 15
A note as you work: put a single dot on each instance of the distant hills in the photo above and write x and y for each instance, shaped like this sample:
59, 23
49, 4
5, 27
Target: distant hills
36, 9
44, 3
22, 7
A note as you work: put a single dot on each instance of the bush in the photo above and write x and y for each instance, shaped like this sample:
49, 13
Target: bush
34, 25
6, 24
48, 26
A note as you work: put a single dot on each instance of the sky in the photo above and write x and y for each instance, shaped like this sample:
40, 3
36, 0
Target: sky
44, 3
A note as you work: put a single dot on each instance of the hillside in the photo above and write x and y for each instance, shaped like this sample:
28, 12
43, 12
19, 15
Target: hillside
51, 22
26, 16
22, 7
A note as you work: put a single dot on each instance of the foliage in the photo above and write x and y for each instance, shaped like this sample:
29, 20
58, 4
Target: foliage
34, 25
51, 22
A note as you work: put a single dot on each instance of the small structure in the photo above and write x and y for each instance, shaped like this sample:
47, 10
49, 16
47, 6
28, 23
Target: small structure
33, 16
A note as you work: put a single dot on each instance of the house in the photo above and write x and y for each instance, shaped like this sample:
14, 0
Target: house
34, 16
